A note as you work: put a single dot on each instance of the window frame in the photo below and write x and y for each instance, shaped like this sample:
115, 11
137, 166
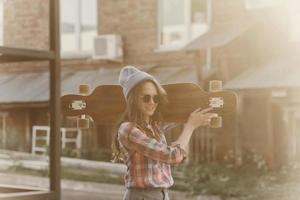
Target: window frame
258, 4
78, 53
187, 24
293, 37
2, 2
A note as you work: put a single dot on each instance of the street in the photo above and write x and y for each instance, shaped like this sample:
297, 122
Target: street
79, 195
77, 190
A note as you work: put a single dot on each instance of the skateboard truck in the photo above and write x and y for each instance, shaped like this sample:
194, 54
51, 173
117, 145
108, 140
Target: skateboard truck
216, 102
83, 121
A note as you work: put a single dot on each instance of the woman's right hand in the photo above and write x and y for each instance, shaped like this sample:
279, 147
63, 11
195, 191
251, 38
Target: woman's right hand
200, 117
197, 118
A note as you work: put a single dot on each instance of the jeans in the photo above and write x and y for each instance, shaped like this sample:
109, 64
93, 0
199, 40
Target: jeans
146, 194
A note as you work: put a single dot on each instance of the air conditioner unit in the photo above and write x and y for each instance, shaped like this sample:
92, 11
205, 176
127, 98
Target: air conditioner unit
108, 47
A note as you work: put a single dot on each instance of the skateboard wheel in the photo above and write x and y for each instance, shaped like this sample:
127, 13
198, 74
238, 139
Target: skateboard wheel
216, 122
84, 89
83, 123
215, 86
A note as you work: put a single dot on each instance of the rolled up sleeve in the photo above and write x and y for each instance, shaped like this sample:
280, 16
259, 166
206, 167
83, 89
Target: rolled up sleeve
135, 140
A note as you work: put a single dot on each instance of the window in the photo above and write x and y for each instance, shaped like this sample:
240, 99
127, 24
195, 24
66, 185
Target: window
78, 26
181, 21
255, 4
294, 21
1, 21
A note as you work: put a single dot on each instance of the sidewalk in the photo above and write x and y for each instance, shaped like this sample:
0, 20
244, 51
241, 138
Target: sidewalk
11, 158
103, 190
88, 190
71, 189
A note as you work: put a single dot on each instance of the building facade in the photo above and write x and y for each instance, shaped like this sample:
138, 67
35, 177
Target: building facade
177, 41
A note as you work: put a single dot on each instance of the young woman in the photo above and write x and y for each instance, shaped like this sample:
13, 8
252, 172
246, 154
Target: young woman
140, 142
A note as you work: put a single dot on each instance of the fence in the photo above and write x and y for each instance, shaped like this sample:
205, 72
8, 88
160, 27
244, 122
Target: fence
42, 133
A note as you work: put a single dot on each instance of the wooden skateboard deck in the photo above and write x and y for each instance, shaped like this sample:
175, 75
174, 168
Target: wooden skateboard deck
106, 103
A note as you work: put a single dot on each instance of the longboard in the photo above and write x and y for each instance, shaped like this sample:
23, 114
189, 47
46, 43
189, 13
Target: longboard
106, 103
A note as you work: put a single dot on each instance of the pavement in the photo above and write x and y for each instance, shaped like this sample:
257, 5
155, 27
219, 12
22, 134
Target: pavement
77, 190
12, 158
71, 190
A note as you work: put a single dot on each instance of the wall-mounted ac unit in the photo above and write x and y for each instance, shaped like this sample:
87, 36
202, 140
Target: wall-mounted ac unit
108, 47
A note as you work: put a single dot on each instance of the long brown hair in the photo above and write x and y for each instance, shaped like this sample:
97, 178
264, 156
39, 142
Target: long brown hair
133, 114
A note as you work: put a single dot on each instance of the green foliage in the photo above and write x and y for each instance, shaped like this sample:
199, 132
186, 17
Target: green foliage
251, 181
226, 180
217, 179
99, 154
19, 169
100, 176
69, 152
14, 138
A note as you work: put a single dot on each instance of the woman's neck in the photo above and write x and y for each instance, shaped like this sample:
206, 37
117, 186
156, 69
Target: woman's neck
147, 120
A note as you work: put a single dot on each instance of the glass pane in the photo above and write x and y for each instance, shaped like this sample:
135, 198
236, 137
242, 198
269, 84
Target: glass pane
88, 23
1, 22
68, 42
173, 29
87, 38
254, 4
69, 16
198, 10
294, 23
198, 17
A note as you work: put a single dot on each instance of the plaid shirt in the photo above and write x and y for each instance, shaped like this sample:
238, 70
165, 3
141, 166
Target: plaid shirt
148, 160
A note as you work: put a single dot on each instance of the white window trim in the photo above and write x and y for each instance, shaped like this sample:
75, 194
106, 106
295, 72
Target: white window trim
291, 22
76, 54
188, 23
259, 4
208, 65
187, 20
209, 13
2, 2
79, 53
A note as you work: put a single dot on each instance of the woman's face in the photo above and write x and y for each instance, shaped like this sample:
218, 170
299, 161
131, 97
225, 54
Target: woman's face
146, 99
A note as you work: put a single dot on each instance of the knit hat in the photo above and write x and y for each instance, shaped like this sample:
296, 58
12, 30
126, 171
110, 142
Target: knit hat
130, 77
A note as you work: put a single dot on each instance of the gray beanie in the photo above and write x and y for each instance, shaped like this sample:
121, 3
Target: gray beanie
130, 77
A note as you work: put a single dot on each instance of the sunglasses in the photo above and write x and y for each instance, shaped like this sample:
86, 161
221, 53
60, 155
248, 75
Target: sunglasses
146, 98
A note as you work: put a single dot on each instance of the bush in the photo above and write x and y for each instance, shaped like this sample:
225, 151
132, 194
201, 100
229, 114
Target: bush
224, 179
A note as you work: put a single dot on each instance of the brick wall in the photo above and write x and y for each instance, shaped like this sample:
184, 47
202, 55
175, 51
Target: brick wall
137, 22
225, 11
26, 23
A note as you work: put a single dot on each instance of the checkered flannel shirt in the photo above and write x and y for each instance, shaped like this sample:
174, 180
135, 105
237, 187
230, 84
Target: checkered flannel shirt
148, 160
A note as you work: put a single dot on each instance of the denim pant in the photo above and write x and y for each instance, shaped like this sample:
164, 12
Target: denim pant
146, 194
